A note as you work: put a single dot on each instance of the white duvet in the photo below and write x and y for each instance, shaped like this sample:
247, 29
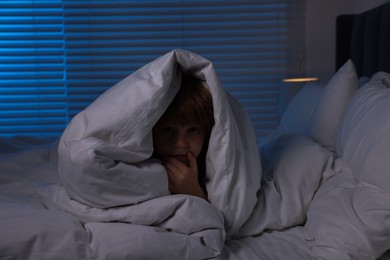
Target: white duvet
104, 153
102, 197
107, 174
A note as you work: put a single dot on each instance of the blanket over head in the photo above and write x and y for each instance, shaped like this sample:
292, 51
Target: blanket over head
105, 152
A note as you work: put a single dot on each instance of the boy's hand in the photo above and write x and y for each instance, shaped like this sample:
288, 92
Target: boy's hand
183, 179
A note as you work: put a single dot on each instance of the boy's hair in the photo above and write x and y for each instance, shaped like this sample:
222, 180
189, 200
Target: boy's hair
192, 103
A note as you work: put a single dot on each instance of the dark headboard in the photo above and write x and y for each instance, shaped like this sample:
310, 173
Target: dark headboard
364, 38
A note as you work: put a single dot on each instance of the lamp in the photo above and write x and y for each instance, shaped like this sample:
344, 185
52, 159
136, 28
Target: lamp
299, 80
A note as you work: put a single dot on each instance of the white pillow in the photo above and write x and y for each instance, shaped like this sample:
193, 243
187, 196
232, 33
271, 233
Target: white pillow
364, 137
316, 111
332, 105
363, 80
349, 215
295, 119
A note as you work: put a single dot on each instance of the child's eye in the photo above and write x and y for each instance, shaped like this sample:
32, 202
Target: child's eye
194, 130
167, 131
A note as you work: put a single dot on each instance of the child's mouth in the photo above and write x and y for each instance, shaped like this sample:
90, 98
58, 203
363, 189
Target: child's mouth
182, 158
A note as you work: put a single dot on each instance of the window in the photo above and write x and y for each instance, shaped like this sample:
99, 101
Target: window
78, 49
32, 68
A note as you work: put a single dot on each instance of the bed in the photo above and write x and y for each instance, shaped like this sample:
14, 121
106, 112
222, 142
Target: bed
316, 188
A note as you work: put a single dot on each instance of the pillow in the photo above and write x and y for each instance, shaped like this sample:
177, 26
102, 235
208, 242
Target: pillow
349, 215
332, 105
364, 137
363, 80
300, 111
295, 119
304, 108
316, 111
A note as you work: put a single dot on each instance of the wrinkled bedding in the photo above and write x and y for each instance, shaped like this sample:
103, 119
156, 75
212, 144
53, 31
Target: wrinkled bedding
96, 193
104, 153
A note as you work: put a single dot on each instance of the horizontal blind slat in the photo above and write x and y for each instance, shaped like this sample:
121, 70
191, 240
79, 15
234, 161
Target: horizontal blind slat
62, 54
32, 74
245, 40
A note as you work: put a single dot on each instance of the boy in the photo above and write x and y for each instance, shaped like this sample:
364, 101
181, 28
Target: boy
181, 137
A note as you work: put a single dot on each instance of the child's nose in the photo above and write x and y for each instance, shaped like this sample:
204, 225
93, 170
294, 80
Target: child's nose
181, 141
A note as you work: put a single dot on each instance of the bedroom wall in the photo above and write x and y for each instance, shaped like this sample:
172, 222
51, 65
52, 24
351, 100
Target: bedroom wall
320, 32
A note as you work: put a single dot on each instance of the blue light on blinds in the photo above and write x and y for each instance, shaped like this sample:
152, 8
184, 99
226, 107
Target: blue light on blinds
57, 56
32, 79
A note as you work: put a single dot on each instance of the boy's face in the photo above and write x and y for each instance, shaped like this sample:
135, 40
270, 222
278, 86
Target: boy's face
174, 140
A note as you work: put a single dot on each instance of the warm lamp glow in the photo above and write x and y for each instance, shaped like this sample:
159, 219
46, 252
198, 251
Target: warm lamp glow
289, 80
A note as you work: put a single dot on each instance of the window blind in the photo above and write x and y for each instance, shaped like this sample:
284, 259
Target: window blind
32, 81
104, 41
